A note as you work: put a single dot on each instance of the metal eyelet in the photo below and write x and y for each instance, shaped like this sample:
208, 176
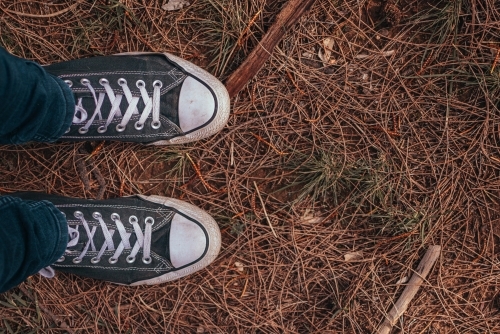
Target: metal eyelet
69, 83
147, 260
115, 216
133, 220
96, 215
95, 260
103, 81
84, 81
112, 260
122, 81
83, 130
155, 124
138, 126
61, 259
102, 129
69, 129
78, 214
120, 128
158, 83
150, 220
77, 260
130, 259
140, 84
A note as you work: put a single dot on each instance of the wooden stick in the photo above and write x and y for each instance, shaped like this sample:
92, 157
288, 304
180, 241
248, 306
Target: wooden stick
284, 21
411, 289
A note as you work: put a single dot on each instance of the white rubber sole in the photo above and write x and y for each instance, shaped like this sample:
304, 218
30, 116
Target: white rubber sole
210, 225
221, 97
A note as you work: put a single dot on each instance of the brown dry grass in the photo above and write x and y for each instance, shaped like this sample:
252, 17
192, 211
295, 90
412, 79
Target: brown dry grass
391, 147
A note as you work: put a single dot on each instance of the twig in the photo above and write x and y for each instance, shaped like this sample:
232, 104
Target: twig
404, 235
122, 187
264, 208
100, 180
247, 29
285, 20
96, 150
253, 206
381, 129
82, 166
294, 83
244, 289
411, 289
231, 153
198, 172
495, 159
497, 57
259, 138
82, 169
426, 63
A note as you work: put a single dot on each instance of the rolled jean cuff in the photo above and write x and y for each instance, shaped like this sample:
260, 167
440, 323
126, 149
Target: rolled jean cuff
49, 212
63, 111
33, 235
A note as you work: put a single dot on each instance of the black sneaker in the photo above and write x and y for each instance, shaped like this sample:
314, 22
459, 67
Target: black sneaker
153, 98
134, 240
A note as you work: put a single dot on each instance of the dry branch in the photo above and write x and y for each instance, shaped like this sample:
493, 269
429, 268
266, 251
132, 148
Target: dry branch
288, 16
411, 289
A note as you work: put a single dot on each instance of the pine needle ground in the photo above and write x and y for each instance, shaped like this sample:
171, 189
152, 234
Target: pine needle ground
371, 134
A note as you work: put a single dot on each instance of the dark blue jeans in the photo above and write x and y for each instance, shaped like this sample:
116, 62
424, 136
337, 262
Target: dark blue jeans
34, 106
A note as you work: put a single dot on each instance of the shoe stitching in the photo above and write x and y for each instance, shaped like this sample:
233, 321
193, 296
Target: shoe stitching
153, 254
117, 120
173, 131
177, 80
114, 206
123, 136
120, 72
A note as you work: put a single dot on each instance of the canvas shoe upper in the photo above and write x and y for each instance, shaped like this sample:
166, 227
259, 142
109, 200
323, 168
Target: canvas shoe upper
134, 240
153, 98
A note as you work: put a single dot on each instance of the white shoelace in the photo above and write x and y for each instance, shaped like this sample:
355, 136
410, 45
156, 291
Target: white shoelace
143, 240
152, 104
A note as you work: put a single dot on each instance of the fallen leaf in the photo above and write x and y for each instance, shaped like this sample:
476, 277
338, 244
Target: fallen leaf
388, 53
327, 46
239, 266
175, 5
308, 55
310, 217
402, 280
348, 257
385, 54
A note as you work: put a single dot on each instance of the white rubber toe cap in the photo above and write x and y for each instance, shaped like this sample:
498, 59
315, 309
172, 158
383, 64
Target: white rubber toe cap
196, 105
187, 241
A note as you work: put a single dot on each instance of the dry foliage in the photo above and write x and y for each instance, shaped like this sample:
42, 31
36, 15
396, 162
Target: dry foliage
362, 160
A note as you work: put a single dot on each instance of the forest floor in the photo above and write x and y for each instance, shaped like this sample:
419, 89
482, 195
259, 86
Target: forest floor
372, 133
